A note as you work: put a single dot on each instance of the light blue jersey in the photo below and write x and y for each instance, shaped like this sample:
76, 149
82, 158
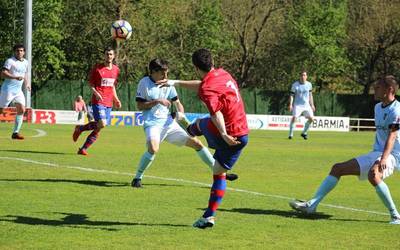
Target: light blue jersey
148, 91
301, 93
386, 117
16, 68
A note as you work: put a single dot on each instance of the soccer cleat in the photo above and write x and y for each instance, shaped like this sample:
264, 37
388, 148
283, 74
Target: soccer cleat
290, 137
136, 183
302, 206
82, 151
17, 136
232, 177
395, 220
77, 133
204, 222
305, 137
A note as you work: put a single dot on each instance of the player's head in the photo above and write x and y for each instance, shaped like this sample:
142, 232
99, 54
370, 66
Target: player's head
385, 87
109, 55
158, 69
19, 51
202, 60
303, 76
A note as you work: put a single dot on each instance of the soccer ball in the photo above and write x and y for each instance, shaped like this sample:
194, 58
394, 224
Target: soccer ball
121, 30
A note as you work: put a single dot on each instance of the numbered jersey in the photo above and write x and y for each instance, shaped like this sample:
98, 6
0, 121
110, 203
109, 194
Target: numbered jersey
219, 92
104, 80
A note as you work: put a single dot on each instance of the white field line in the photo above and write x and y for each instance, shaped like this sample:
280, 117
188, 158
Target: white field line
183, 181
40, 133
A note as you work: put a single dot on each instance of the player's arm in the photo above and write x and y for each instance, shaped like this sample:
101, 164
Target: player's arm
291, 101
388, 145
5, 73
311, 100
143, 104
178, 105
27, 82
116, 100
219, 122
191, 85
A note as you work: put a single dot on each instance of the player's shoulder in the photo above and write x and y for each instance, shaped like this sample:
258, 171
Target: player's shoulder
145, 80
115, 67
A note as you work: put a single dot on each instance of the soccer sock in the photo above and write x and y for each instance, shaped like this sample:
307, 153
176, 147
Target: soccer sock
306, 127
18, 123
384, 193
291, 126
89, 126
206, 157
216, 195
92, 137
144, 163
327, 185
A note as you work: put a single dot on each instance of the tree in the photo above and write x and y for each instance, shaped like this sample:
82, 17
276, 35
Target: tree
374, 39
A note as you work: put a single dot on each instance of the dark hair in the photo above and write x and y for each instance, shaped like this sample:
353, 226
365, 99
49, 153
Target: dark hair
108, 49
18, 46
389, 81
303, 71
157, 64
202, 59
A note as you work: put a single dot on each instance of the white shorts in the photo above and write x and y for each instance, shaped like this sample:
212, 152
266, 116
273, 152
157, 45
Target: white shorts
304, 110
171, 132
6, 97
366, 162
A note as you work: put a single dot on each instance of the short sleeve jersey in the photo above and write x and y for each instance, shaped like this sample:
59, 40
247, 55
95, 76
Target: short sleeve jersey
220, 92
387, 117
16, 68
301, 93
148, 90
103, 80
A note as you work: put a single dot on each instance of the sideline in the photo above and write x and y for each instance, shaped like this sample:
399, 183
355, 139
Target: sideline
183, 181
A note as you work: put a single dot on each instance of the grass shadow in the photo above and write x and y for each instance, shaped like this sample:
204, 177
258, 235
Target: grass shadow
33, 152
82, 182
78, 221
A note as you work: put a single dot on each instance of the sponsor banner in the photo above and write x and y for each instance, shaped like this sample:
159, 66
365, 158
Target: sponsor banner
321, 123
42, 116
257, 121
123, 118
9, 114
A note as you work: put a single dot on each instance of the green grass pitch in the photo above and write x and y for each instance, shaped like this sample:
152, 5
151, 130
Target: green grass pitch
51, 198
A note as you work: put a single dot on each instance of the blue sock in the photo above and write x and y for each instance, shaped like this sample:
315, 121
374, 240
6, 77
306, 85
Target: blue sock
206, 157
384, 193
217, 193
306, 127
18, 123
326, 186
291, 126
144, 163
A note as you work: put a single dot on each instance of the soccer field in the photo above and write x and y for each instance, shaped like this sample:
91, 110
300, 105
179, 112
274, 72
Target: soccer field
51, 198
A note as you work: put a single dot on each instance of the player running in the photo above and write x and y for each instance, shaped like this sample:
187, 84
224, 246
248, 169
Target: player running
376, 165
225, 130
14, 71
303, 104
155, 100
103, 79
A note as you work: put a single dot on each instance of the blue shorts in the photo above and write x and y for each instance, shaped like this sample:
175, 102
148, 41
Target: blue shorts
225, 154
101, 112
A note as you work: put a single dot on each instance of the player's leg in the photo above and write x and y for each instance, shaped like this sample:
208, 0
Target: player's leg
375, 177
225, 159
19, 119
91, 125
102, 115
295, 114
153, 140
338, 170
308, 113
